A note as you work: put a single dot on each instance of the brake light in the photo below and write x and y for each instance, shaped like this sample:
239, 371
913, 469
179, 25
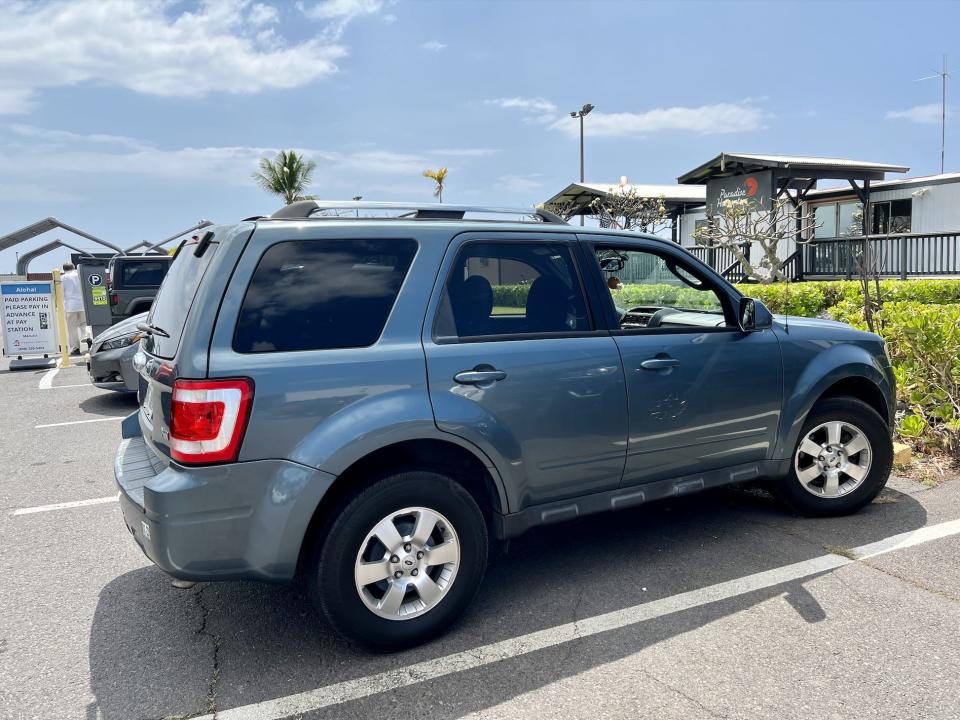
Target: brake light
114, 298
208, 419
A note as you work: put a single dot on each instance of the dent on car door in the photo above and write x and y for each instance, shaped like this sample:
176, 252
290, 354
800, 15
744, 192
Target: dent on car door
703, 395
516, 366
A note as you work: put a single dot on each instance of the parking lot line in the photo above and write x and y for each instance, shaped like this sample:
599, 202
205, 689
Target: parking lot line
349, 690
77, 422
46, 382
64, 505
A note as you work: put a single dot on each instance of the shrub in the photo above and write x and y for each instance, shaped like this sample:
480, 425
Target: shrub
810, 299
923, 341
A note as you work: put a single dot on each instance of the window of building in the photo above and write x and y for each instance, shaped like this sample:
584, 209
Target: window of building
845, 219
498, 289
321, 294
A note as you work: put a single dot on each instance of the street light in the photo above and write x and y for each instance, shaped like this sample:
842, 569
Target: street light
581, 113
358, 198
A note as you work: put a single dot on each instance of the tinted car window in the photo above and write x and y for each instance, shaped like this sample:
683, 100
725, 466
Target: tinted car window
512, 289
321, 294
142, 274
175, 297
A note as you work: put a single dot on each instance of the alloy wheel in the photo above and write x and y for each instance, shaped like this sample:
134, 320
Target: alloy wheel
833, 459
407, 563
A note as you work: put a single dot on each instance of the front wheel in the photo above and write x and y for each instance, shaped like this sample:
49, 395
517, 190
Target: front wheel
841, 461
401, 561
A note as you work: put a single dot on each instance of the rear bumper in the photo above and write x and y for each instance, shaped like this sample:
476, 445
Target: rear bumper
222, 522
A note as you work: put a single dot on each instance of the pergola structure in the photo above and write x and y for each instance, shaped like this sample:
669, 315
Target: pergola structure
793, 176
577, 198
41, 226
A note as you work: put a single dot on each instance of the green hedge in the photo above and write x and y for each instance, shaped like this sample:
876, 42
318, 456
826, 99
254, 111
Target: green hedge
812, 298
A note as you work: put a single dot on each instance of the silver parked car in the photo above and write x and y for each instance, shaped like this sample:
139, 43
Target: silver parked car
110, 362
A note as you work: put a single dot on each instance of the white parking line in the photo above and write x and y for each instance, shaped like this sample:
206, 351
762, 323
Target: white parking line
46, 382
65, 505
77, 422
348, 690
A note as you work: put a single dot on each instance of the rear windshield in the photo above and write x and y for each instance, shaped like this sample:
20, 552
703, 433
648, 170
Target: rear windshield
175, 297
321, 294
142, 273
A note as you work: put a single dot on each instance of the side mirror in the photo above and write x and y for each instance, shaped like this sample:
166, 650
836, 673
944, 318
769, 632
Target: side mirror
753, 315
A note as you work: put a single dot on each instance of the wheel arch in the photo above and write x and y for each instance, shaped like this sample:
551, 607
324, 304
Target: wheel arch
844, 376
465, 465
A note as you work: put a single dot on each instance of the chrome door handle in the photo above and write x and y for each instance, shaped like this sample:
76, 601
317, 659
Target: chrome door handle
659, 363
479, 377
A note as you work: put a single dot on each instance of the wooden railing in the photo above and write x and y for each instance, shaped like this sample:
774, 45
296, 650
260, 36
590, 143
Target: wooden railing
900, 256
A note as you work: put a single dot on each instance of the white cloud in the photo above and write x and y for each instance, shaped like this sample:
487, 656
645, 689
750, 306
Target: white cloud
261, 14
463, 152
520, 184
339, 13
535, 105
433, 45
221, 46
536, 110
923, 114
39, 153
704, 120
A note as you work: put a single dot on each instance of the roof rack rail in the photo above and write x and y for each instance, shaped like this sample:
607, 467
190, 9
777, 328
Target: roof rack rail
303, 209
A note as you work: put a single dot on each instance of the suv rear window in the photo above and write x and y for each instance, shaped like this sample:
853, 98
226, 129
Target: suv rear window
322, 294
142, 273
175, 297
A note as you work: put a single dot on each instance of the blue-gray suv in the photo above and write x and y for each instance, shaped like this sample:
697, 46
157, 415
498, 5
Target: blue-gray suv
364, 395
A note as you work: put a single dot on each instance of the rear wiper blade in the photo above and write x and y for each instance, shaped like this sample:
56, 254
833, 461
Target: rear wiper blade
152, 330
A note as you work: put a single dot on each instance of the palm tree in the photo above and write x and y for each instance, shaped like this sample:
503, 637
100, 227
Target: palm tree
439, 177
288, 175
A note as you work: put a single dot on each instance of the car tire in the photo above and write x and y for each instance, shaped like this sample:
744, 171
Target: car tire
439, 576
828, 478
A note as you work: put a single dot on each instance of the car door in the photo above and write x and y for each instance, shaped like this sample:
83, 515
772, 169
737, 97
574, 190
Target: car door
517, 366
703, 395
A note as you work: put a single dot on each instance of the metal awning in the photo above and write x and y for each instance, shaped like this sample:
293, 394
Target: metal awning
42, 226
796, 167
675, 197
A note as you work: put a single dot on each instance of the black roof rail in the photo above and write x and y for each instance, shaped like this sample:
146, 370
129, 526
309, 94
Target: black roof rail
303, 209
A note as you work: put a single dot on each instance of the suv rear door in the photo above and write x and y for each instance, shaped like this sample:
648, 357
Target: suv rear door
517, 366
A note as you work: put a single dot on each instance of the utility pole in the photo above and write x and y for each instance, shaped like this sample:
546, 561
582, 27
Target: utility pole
943, 75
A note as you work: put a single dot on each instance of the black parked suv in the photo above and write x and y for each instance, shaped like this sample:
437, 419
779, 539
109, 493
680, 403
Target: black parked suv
134, 282
366, 401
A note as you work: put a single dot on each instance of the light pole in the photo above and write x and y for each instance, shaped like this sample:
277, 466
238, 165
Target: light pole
358, 198
581, 113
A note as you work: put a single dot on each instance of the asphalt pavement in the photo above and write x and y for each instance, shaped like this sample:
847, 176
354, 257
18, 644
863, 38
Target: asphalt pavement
720, 605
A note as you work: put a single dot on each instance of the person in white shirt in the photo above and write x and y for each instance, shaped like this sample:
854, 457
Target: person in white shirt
73, 308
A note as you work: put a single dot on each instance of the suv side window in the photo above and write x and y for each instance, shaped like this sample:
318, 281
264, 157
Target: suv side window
511, 288
658, 292
322, 294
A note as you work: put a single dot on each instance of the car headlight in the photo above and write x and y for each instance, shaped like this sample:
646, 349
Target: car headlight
120, 341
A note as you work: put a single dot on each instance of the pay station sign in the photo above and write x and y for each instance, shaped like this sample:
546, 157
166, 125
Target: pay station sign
27, 314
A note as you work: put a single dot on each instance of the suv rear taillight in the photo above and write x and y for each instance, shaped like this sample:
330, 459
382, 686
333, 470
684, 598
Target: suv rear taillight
208, 419
114, 298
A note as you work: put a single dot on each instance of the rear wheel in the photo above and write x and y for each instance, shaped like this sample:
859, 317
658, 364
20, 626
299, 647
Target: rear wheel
841, 461
401, 561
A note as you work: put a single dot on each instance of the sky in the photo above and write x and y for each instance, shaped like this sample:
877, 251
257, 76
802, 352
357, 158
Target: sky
133, 120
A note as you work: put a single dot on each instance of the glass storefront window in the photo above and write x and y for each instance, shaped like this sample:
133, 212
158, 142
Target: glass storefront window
850, 219
825, 218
